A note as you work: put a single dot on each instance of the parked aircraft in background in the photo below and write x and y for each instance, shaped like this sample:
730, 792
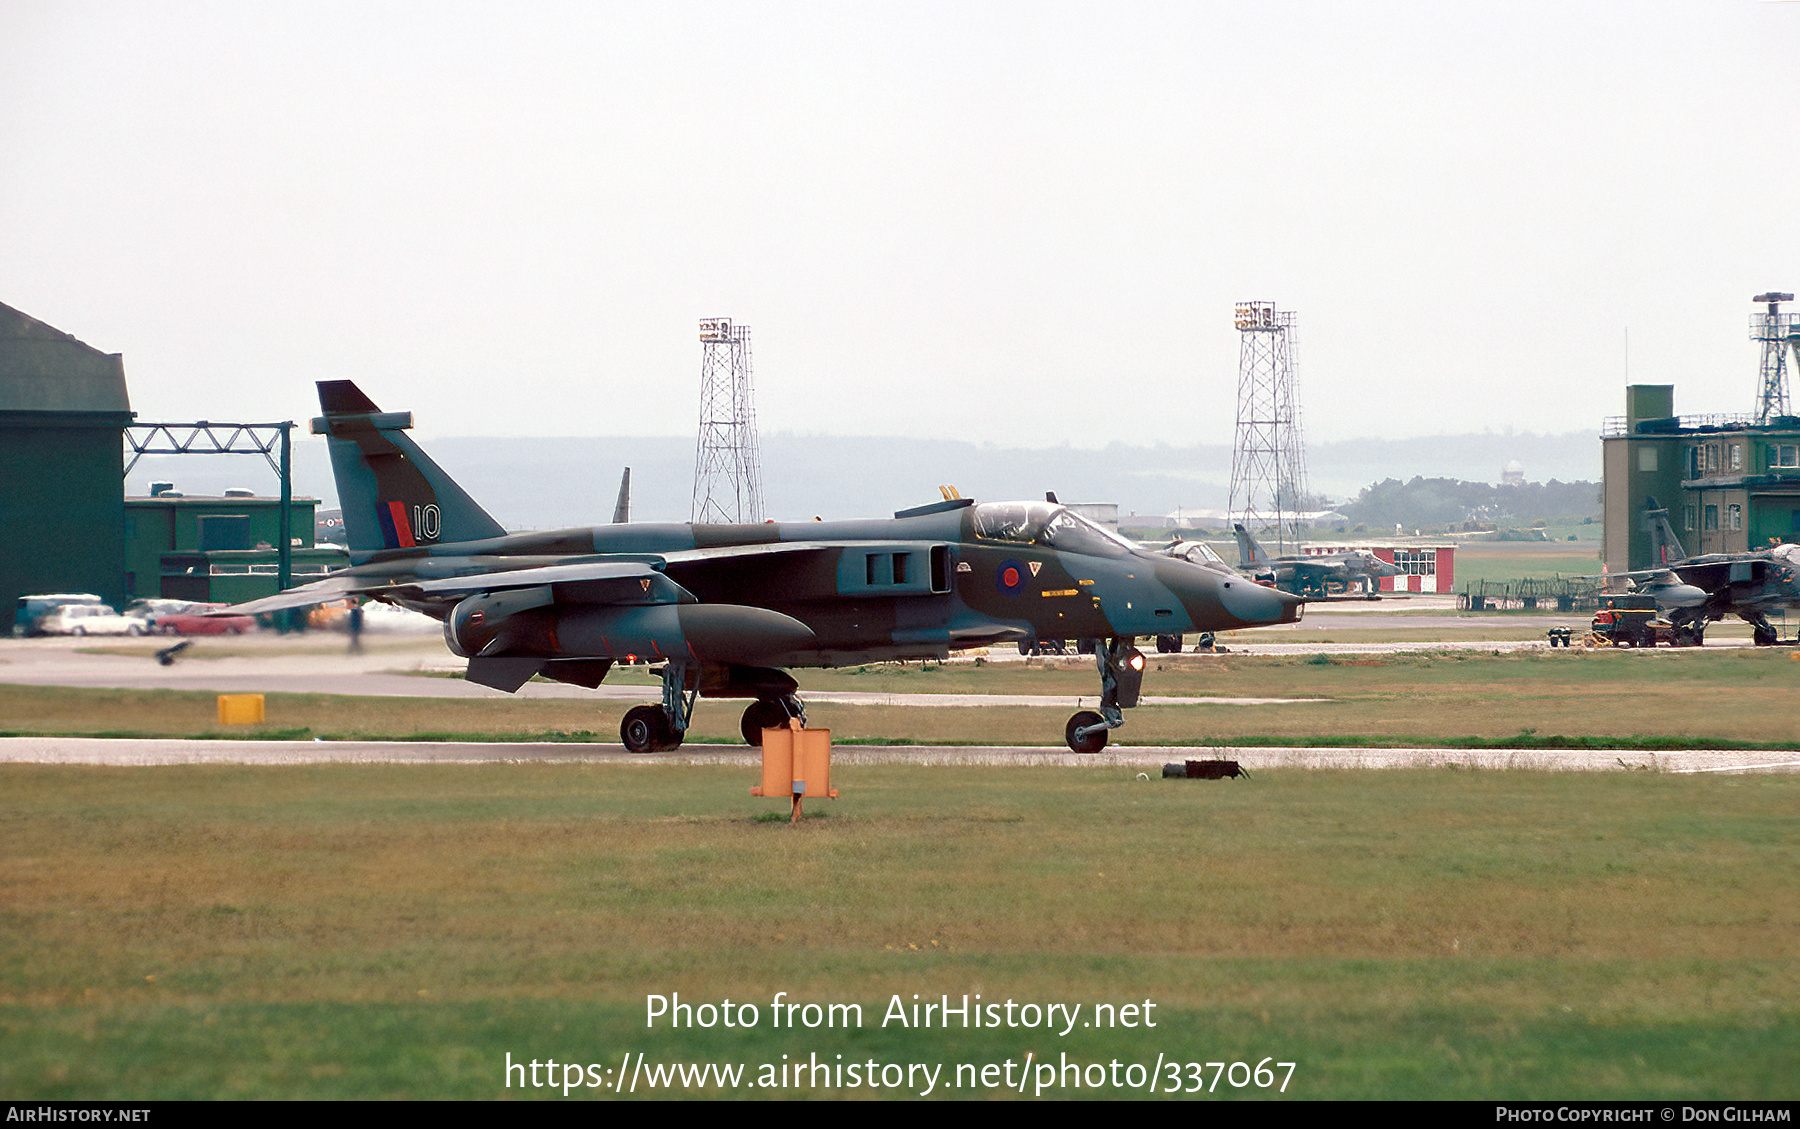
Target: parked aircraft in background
622, 506
1695, 591
725, 608
1311, 575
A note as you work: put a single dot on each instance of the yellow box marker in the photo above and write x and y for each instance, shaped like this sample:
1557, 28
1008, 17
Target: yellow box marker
240, 709
796, 764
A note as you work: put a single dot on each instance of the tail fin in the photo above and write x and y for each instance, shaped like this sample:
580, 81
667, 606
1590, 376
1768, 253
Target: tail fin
1250, 554
393, 496
622, 507
1665, 547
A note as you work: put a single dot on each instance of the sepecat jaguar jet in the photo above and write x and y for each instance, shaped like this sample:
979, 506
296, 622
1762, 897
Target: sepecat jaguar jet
725, 609
1695, 591
1312, 576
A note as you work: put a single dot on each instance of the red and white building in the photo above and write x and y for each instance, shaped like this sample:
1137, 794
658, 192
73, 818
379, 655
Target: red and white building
1423, 568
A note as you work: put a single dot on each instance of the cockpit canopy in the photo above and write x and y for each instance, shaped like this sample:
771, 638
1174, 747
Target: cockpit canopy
1200, 553
1048, 525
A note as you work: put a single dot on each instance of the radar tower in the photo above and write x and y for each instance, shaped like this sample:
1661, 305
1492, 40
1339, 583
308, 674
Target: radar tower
1773, 329
727, 470
1268, 457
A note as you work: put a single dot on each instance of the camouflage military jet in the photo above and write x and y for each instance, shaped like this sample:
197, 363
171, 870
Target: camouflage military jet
1311, 575
725, 608
1695, 591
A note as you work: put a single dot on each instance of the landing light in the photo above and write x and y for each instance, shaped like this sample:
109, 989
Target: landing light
1137, 662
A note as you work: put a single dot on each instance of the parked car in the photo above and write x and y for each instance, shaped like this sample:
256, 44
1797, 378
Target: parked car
91, 619
28, 616
185, 617
197, 622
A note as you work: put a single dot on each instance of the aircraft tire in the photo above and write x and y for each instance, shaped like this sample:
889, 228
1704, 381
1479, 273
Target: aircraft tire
646, 730
1168, 644
1093, 742
1762, 635
764, 713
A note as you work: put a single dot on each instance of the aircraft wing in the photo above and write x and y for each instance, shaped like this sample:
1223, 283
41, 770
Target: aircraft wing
589, 582
727, 552
585, 582
1639, 574
306, 595
1714, 575
1318, 567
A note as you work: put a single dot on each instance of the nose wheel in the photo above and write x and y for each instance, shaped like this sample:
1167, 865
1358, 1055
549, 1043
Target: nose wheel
1086, 732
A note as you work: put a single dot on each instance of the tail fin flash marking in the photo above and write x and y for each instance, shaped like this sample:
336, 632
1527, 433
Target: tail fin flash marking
396, 528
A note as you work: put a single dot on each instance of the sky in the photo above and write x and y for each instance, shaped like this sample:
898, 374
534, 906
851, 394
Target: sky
1017, 223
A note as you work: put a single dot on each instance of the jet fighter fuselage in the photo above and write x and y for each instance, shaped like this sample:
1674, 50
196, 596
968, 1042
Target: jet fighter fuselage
725, 608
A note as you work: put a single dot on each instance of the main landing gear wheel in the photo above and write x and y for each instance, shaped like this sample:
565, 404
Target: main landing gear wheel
646, 729
764, 713
1168, 644
1093, 742
1763, 635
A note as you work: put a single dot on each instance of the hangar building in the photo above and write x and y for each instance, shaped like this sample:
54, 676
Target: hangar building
63, 406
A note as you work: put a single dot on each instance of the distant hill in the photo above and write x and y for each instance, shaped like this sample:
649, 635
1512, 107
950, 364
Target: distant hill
545, 483
1423, 502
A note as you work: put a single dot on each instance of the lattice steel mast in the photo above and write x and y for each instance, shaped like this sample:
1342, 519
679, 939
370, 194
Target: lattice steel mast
1268, 458
1773, 329
727, 470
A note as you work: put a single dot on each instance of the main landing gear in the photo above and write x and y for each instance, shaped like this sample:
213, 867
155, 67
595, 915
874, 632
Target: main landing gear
1762, 632
1690, 633
1121, 677
657, 729
769, 713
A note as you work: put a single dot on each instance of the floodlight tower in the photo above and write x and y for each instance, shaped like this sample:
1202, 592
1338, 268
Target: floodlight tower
727, 472
1773, 329
1268, 457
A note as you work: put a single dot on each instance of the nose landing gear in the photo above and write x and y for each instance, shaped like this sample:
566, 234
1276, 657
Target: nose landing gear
1121, 677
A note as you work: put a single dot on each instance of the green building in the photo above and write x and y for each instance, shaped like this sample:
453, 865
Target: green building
218, 549
1730, 484
63, 412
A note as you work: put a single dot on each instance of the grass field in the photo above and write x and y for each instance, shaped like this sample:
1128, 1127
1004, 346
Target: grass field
380, 931
1524, 560
1626, 699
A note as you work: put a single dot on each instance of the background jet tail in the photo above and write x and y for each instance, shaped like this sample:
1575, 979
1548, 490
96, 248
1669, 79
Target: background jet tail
1665, 547
393, 496
1250, 554
622, 507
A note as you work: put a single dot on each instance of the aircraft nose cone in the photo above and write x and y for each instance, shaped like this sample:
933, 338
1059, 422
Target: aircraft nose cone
1681, 596
1254, 603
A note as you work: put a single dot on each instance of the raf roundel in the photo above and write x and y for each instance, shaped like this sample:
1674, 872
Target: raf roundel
1010, 577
